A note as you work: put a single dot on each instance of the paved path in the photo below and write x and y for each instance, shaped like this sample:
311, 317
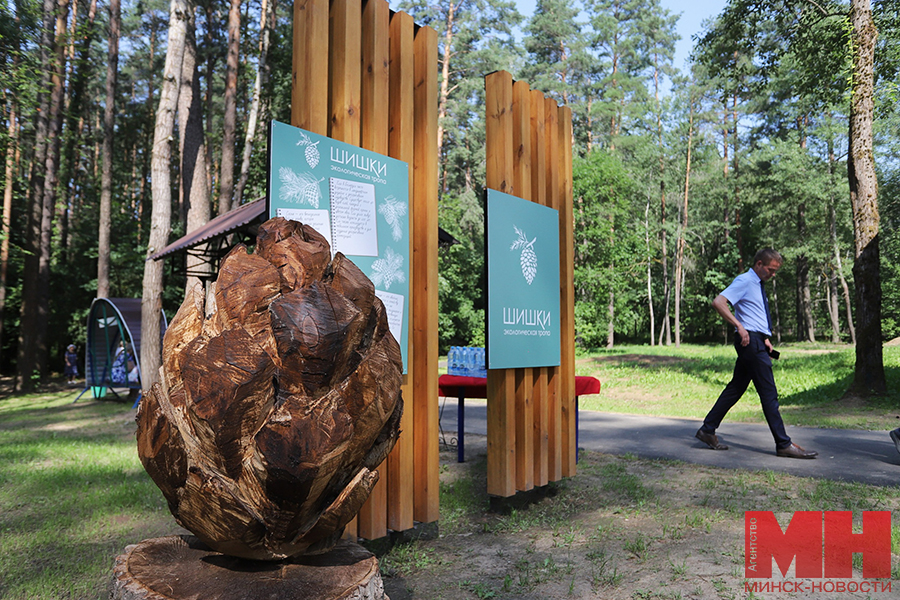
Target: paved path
847, 455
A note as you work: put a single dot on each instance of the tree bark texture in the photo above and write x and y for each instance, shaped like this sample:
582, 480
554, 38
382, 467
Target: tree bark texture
109, 126
194, 184
226, 178
182, 568
161, 210
869, 374
679, 251
51, 179
26, 359
279, 397
267, 18
12, 167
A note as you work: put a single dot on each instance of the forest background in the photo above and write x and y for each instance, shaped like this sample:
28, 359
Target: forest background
680, 174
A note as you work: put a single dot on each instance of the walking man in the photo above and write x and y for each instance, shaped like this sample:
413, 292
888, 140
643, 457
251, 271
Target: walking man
753, 326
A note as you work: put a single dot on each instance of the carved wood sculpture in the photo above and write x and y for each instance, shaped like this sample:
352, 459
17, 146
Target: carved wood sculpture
279, 396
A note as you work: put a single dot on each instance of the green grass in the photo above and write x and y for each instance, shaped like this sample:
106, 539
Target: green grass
685, 382
73, 494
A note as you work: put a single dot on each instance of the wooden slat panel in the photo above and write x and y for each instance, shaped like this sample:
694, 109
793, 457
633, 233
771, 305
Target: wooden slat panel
501, 442
374, 131
309, 92
554, 457
522, 166
524, 415
344, 77
499, 131
345, 67
401, 146
567, 293
500, 382
541, 395
424, 321
554, 424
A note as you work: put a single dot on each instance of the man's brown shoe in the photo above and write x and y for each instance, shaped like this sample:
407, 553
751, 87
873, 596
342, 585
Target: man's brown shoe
795, 451
710, 440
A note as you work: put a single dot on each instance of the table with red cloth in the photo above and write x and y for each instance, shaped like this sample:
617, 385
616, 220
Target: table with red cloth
476, 387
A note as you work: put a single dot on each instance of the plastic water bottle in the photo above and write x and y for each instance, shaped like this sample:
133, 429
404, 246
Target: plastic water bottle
451, 361
482, 370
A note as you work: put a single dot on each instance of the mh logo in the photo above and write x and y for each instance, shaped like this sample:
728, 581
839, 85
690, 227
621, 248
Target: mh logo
822, 543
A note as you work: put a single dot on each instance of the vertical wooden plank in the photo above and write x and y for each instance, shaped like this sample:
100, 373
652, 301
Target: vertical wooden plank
499, 131
567, 292
554, 442
401, 146
522, 157
425, 280
344, 80
345, 39
540, 395
374, 131
540, 399
554, 424
522, 165
309, 92
500, 382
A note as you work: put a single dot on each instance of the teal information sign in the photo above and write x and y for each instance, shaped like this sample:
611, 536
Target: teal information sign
357, 199
523, 283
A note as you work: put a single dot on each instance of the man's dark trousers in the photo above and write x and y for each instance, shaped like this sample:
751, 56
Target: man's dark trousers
753, 364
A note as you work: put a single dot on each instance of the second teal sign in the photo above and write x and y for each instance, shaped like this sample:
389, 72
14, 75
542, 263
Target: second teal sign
523, 283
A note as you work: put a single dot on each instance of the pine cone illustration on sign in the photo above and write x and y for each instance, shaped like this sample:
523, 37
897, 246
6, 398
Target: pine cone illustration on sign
311, 152
279, 396
528, 258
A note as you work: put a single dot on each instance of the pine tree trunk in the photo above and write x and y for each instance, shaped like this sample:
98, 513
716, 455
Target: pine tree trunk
267, 18
26, 359
81, 71
839, 266
679, 253
649, 270
160, 219
444, 95
51, 180
109, 127
226, 177
12, 167
869, 376
193, 154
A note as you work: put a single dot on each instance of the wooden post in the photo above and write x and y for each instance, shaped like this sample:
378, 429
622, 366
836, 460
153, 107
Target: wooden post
424, 272
531, 412
541, 393
374, 130
345, 66
309, 92
344, 81
401, 146
522, 167
567, 294
367, 76
501, 422
555, 440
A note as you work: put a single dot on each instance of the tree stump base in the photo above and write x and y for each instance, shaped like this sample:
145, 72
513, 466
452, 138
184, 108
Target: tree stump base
179, 567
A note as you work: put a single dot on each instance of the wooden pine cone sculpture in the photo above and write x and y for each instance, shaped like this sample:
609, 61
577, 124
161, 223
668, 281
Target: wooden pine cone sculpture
279, 396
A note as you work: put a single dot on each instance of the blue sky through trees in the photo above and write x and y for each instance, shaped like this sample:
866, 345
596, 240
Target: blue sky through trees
692, 14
